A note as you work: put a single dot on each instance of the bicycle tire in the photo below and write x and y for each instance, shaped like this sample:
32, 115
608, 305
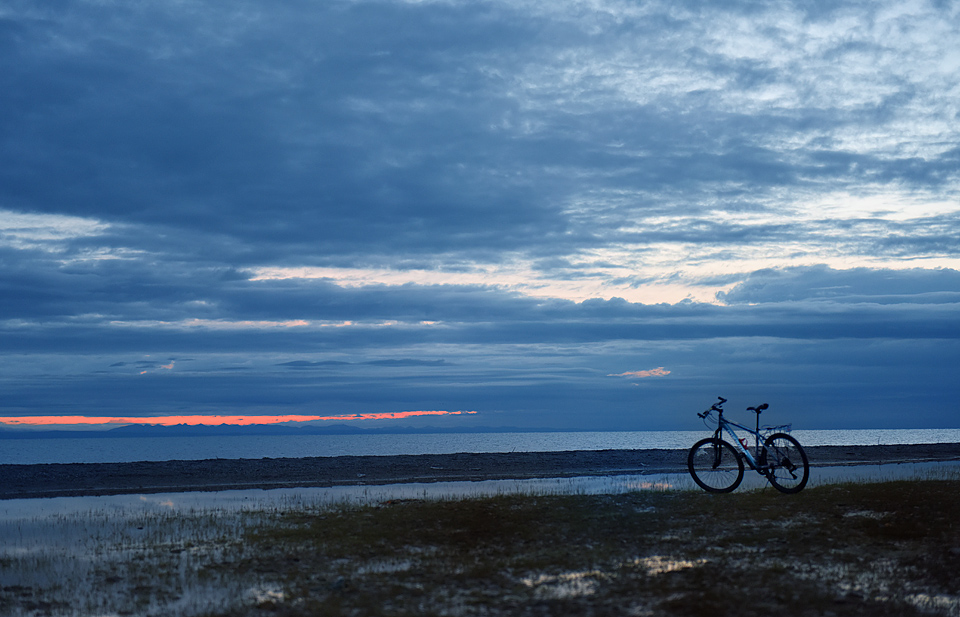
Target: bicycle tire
789, 470
715, 465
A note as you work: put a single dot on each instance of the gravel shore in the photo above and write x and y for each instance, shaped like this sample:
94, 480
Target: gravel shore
53, 480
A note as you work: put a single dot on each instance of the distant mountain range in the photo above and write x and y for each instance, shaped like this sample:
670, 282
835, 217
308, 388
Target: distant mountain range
222, 430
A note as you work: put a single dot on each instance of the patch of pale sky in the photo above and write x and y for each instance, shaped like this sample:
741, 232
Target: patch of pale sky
520, 278
22, 229
580, 11
839, 63
882, 204
49, 232
756, 38
360, 277
672, 271
114, 253
681, 272
226, 324
246, 324
641, 84
891, 14
845, 63
921, 135
950, 64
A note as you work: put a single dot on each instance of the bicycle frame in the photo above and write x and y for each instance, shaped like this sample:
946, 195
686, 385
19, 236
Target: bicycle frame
724, 425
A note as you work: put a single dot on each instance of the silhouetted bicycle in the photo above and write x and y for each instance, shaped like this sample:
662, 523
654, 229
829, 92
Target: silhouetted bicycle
717, 465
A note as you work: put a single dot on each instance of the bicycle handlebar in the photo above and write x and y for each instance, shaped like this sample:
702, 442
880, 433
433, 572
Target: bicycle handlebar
715, 407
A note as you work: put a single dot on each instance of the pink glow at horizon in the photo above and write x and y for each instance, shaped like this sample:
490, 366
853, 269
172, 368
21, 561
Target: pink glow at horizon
214, 420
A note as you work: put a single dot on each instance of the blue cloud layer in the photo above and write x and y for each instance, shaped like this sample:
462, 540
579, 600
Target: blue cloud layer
790, 169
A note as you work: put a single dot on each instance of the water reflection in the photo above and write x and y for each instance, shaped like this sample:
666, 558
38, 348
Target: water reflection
256, 499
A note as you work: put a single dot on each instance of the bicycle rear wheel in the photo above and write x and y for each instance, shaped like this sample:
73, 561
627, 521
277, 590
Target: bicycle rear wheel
787, 467
715, 465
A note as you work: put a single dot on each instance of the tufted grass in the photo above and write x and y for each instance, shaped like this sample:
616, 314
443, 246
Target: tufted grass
846, 549
890, 548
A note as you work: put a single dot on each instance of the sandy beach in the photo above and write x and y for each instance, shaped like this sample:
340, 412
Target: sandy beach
53, 480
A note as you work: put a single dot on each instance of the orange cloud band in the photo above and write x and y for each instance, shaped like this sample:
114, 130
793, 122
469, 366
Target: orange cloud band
214, 420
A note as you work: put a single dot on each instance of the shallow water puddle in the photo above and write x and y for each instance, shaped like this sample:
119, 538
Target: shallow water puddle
274, 499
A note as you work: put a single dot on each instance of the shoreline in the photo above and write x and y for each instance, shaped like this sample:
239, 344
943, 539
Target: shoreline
93, 479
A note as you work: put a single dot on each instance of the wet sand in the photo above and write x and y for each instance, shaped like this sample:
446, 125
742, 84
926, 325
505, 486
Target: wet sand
56, 480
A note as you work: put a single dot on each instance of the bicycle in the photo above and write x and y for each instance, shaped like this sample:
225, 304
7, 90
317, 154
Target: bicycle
717, 465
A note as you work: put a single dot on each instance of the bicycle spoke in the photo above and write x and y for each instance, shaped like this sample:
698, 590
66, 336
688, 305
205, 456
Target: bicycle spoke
783, 453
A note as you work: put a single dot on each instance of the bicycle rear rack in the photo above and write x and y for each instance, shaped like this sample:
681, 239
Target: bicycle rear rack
783, 428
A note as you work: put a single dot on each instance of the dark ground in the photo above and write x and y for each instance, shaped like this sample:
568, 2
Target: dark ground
52, 480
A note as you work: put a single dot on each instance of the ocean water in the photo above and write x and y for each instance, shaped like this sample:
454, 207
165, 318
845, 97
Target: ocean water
130, 449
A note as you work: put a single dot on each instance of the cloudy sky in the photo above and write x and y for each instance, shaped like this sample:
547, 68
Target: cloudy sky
574, 214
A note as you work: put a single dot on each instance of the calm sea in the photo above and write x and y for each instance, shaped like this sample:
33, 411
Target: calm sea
129, 449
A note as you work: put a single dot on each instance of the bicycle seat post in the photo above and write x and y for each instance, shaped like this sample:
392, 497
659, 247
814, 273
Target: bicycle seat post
758, 410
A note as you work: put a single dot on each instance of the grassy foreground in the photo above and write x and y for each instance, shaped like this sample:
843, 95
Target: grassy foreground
852, 549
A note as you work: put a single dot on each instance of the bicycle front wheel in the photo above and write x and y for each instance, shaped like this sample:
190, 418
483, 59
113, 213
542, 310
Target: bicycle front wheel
787, 467
715, 465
